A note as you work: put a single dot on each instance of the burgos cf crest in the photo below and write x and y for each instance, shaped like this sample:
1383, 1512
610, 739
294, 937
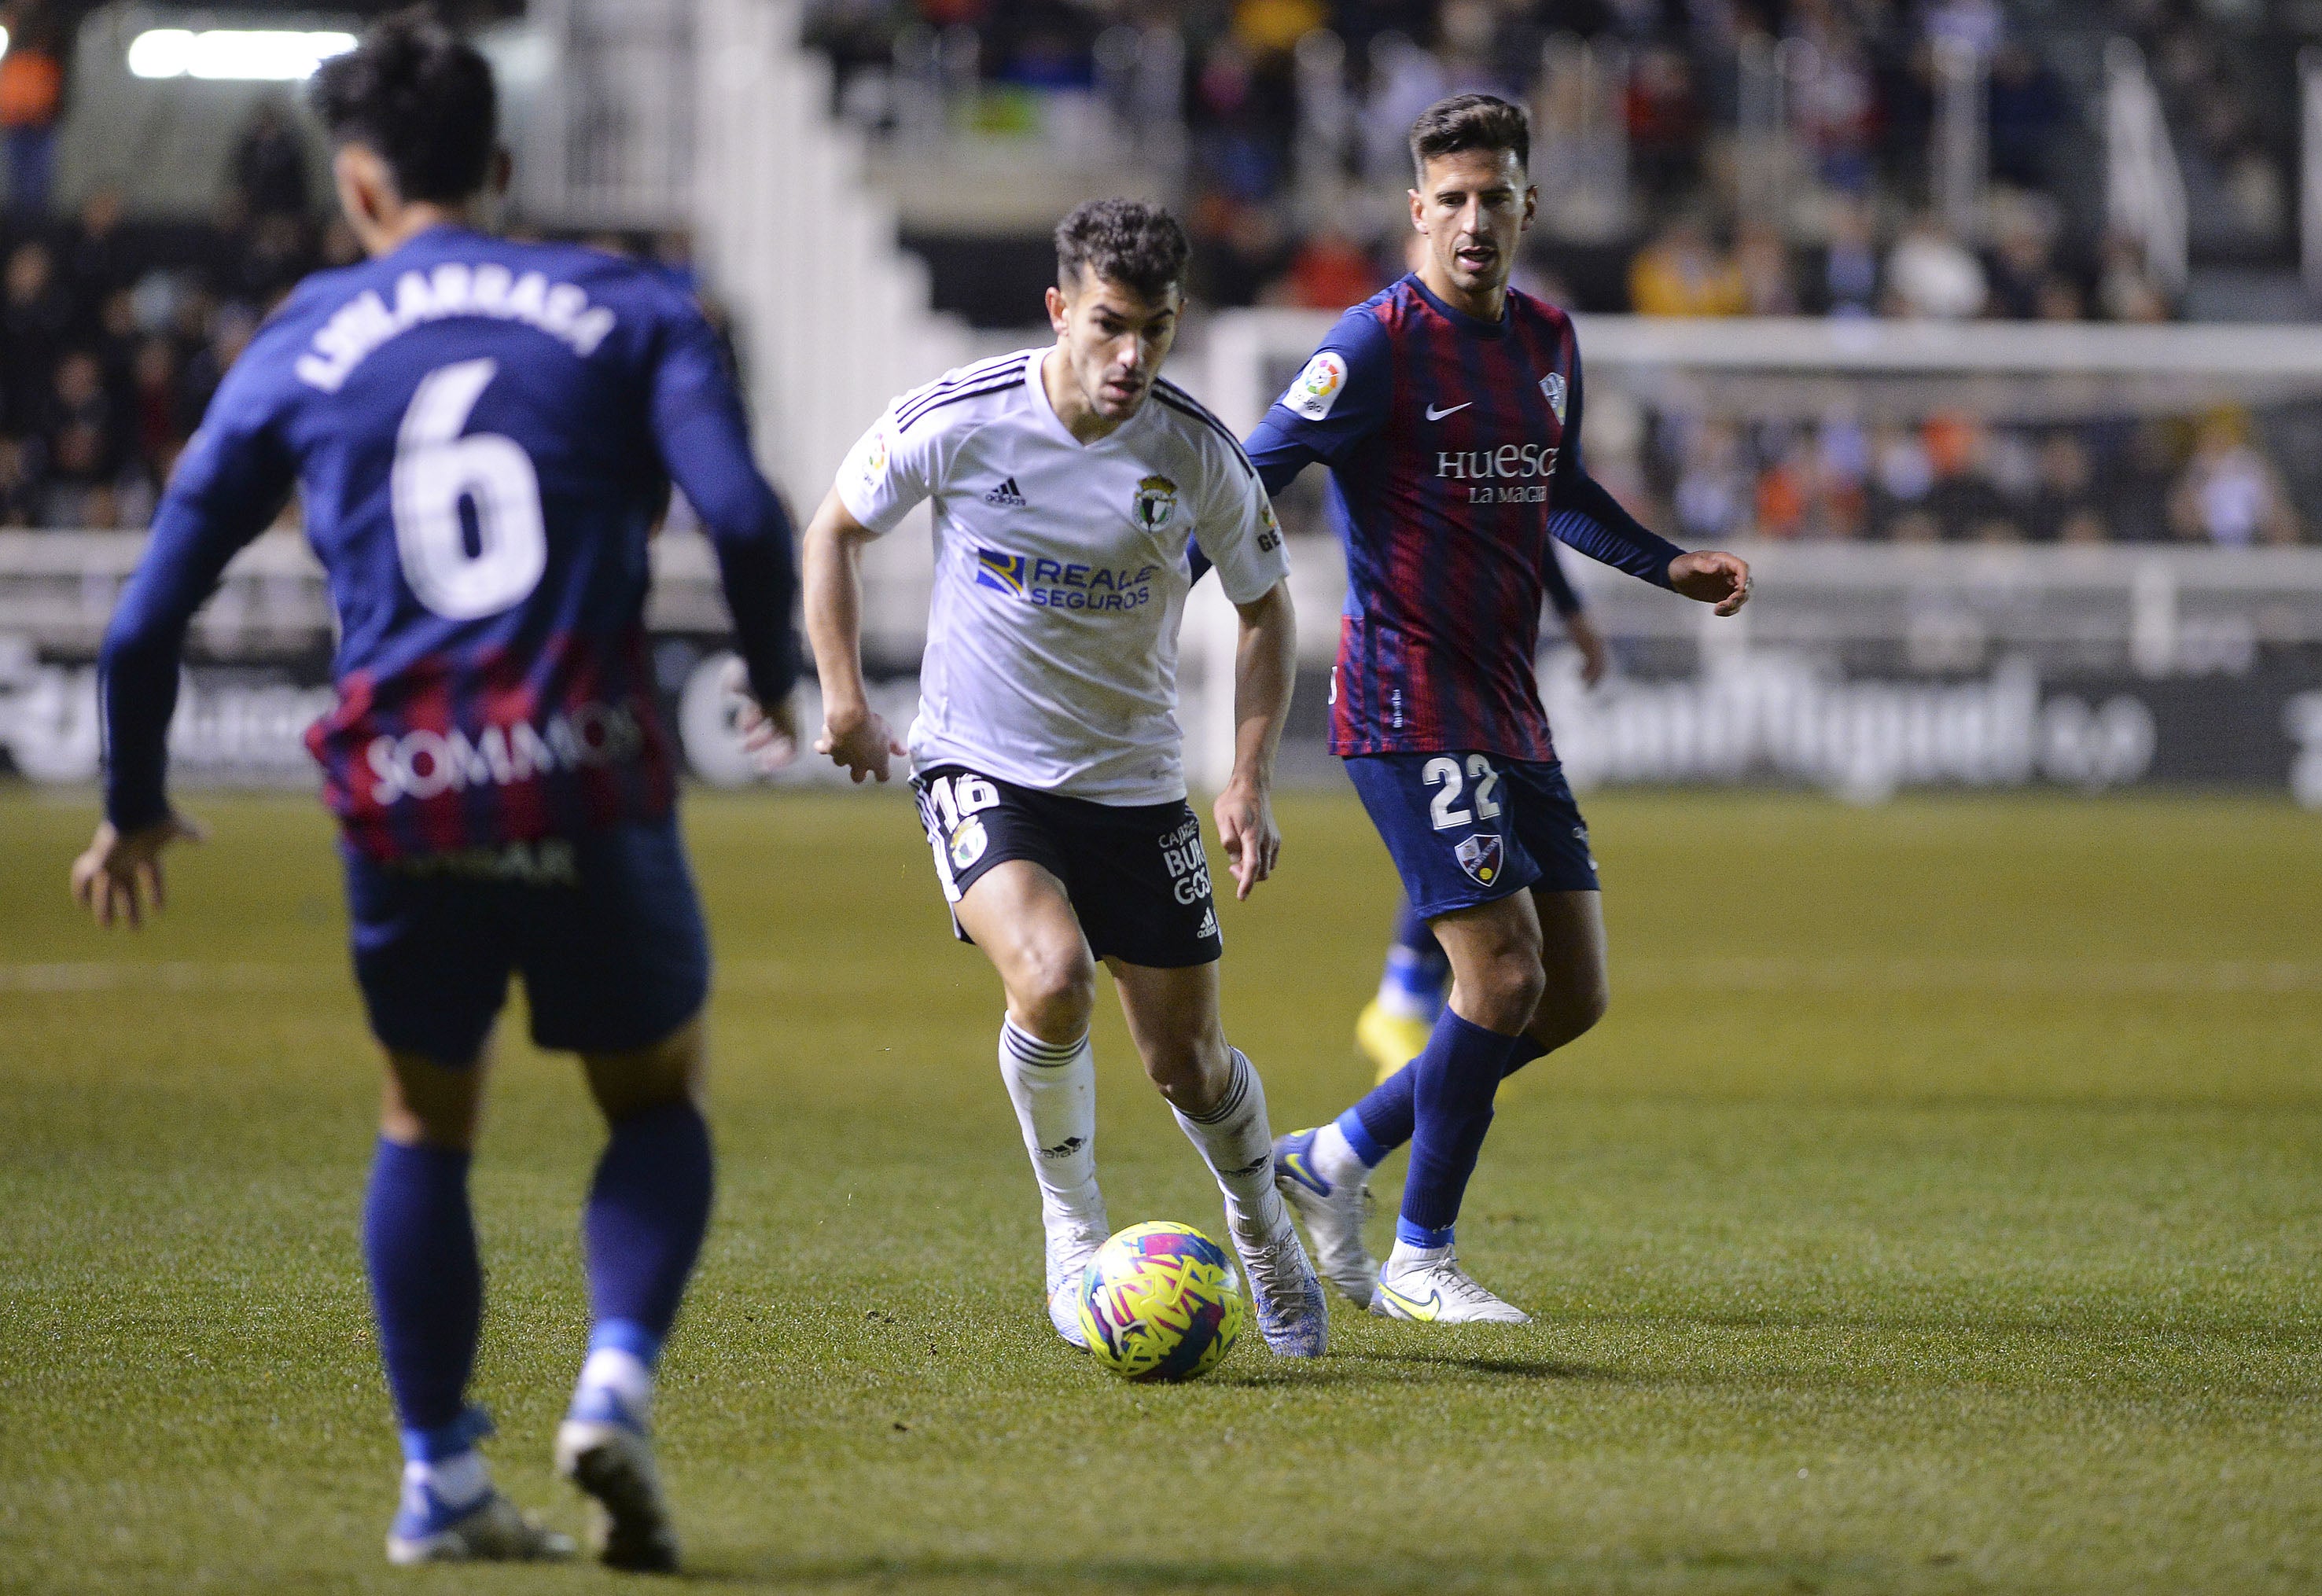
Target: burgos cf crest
1552, 386
995, 568
1480, 856
1156, 503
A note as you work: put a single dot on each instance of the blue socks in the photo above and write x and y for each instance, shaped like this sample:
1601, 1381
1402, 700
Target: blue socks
647, 1210
1417, 970
648, 1207
1453, 1083
1383, 1120
427, 1287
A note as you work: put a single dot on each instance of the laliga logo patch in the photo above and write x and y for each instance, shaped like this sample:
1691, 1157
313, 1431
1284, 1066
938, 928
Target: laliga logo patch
1480, 856
969, 839
1319, 386
1552, 386
874, 455
1156, 503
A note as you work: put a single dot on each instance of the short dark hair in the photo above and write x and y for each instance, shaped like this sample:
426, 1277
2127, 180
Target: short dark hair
420, 98
1469, 122
1127, 242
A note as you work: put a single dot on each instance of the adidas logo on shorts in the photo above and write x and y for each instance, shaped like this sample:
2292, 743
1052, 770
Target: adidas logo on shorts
1007, 495
1208, 926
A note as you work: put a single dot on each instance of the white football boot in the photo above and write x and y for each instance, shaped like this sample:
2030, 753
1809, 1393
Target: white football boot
1427, 1286
605, 1450
1334, 1212
1287, 1298
488, 1530
1073, 1239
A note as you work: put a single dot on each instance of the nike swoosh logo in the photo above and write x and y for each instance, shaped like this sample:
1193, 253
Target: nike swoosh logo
1435, 415
1293, 1164
1425, 1312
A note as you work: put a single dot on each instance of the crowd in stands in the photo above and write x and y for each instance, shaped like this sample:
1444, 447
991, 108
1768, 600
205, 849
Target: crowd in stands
2206, 478
1856, 234
115, 333
1284, 217
113, 337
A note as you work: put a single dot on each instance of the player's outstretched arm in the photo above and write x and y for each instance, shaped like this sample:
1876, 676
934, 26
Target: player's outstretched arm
1265, 672
852, 734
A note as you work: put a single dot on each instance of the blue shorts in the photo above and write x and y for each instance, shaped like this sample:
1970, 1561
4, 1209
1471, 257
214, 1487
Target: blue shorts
604, 928
1468, 828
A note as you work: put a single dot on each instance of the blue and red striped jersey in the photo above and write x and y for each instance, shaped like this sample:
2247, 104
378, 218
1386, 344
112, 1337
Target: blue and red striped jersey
483, 434
1452, 444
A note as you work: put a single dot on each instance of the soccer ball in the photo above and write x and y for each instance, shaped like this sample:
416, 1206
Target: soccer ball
1161, 1302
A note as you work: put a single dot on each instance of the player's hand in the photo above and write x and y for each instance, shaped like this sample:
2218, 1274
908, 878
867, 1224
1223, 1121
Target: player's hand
120, 874
769, 733
1714, 578
1253, 843
858, 740
1596, 653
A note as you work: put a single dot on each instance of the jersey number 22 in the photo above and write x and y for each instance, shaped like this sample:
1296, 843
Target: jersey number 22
435, 470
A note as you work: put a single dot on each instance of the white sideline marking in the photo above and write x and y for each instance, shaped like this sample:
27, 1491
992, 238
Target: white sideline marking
2062, 977
175, 975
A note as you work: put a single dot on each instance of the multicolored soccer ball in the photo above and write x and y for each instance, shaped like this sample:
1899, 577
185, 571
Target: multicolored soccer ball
1161, 1301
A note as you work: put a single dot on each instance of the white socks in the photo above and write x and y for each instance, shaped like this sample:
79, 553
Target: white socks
622, 1373
1054, 1089
1335, 1160
1238, 1145
1406, 1257
457, 1482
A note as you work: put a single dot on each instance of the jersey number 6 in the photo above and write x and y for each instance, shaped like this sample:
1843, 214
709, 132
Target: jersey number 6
435, 470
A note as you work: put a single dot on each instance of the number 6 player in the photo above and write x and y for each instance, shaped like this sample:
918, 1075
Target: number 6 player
1448, 410
484, 434
1066, 482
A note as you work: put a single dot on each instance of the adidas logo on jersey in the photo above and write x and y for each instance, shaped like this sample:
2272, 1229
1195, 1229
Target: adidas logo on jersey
1008, 496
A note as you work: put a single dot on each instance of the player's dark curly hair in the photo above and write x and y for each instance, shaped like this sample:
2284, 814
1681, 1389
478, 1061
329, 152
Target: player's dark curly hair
1127, 242
1469, 122
419, 96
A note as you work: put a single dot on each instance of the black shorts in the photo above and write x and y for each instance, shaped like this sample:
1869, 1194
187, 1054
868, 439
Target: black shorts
1136, 874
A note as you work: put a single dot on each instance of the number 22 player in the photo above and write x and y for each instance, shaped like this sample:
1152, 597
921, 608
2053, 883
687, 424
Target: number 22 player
484, 434
1448, 410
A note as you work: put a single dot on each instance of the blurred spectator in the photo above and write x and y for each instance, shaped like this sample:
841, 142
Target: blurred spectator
1764, 265
2063, 509
2229, 493
1330, 271
2021, 263
2127, 290
82, 441
2027, 110
1682, 273
268, 169
1850, 269
32, 102
34, 317
95, 258
1932, 275
1664, 118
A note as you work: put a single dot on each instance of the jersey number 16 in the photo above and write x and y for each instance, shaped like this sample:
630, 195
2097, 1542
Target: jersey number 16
435, 470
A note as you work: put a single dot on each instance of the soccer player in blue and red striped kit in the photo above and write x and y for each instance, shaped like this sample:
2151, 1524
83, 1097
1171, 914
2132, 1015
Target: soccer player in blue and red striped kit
484, 435
1448, 408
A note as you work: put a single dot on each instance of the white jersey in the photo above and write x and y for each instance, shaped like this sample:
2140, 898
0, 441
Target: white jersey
1061, 573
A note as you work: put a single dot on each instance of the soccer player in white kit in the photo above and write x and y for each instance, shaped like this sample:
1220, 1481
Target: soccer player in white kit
1066, 483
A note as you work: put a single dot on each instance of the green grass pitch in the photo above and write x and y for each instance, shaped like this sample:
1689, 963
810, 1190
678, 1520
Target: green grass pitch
1939, 1209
